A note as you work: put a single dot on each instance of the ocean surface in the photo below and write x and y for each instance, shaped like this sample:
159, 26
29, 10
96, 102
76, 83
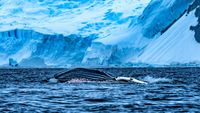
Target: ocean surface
168, 90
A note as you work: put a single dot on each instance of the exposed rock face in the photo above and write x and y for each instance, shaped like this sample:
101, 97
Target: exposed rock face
159, 15
196, 29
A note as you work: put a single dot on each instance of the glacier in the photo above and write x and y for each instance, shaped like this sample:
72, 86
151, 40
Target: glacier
94, 33
58, 33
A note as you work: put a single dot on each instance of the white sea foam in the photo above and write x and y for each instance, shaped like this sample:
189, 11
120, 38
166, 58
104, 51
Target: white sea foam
151, 79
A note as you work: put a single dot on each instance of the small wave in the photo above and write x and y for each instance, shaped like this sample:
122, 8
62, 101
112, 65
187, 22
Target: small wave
151, 79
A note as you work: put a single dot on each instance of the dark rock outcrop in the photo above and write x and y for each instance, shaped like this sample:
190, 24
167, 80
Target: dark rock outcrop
196, 29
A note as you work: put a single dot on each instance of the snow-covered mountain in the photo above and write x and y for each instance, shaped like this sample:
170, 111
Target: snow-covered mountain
139, 46
68, 33
180, 42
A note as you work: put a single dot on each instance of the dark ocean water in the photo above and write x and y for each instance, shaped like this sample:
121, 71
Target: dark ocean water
164, 93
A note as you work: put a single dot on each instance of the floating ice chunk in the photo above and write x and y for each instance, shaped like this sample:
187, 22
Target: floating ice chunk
13, 63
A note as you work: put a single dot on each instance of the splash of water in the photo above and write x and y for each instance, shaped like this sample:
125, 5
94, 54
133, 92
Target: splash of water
151, 79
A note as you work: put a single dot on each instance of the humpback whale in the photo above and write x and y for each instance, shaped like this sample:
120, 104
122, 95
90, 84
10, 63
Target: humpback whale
90, 75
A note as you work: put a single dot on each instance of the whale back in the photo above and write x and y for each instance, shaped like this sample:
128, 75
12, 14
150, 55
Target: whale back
83, 73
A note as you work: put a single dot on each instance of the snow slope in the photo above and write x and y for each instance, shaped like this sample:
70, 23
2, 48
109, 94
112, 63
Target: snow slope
177, 44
